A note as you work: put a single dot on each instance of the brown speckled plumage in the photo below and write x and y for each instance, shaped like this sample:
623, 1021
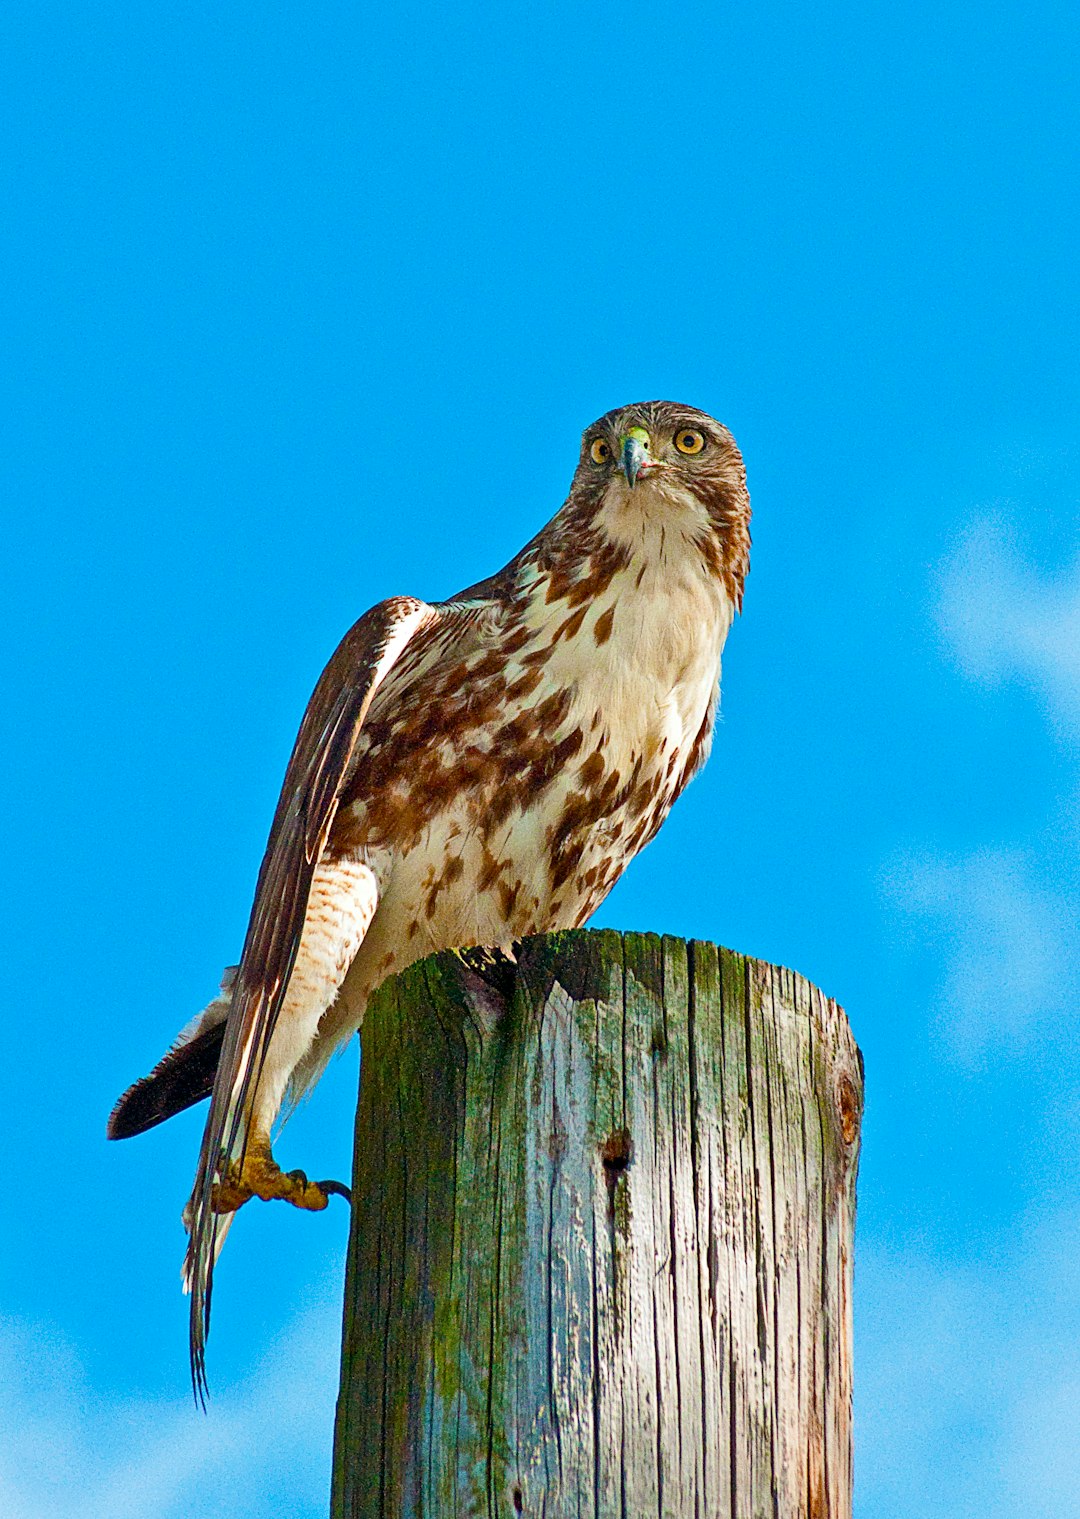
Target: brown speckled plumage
481, 769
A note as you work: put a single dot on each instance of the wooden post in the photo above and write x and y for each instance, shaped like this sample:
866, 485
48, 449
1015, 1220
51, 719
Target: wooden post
600, 1260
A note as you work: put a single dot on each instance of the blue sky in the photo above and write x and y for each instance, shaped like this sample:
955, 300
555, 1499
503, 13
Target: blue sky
304, 307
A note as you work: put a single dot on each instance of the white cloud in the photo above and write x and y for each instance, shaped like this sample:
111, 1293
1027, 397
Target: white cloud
1040, 1453
1006, 620
967, 1395
1001, 920
1008, 944
967, 1385
66, 1453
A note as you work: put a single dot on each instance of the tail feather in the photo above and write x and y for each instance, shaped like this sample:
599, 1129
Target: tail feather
182, 1078
222, 1225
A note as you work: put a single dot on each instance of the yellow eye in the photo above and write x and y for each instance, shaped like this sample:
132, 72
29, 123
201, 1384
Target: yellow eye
599, 451
689, 442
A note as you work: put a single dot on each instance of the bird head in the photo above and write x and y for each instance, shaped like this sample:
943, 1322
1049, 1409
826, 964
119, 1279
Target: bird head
667, 472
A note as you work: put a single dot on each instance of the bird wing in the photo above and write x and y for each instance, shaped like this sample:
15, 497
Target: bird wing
305, 811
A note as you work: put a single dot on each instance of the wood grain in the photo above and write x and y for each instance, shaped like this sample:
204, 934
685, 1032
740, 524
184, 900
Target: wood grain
600, 1260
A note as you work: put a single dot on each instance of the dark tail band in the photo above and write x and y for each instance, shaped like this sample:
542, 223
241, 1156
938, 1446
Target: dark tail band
185, 1076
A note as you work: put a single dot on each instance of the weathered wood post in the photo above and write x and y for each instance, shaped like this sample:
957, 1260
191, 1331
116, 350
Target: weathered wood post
600, 1260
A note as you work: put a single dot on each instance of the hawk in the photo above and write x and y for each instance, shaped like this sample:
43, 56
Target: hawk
467, 772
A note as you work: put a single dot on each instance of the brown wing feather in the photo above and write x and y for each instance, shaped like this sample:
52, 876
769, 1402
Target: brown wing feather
304, 814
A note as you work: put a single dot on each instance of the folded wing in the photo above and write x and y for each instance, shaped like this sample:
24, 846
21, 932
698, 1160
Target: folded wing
302, 821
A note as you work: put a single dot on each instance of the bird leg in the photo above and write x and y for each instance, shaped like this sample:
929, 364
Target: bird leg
259, 1175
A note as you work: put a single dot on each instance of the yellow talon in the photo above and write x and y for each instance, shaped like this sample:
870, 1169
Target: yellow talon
261, 1176
230, 1193
303, 1193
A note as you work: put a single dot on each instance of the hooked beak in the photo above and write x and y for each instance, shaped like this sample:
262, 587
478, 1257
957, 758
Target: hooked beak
635, 455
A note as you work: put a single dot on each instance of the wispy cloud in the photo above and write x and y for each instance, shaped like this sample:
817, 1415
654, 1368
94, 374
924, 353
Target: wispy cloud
967, 1398
265, 1446
1001, 920
1006, 619
1007, 944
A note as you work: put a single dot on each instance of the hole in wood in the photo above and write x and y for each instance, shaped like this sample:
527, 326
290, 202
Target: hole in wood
519, 1501
494, 966
615, 1153
489, 977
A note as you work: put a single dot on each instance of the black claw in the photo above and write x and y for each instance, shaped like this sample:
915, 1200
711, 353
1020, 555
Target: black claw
335, 1189
299, 1177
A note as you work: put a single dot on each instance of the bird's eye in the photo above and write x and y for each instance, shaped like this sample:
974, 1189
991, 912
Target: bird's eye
687, 441
599, 451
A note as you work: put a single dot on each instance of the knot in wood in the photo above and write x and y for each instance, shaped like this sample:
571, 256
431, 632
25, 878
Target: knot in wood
615, 1153
848, 1103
